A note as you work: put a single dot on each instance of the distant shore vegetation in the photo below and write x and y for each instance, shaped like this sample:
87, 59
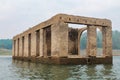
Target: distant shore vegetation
6, 43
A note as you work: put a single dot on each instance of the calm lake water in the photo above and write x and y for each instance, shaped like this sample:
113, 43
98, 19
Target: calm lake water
18, 70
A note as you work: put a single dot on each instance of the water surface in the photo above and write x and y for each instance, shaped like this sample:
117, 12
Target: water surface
18, 70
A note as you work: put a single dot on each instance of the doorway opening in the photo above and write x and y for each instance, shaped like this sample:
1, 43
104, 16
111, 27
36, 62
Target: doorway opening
74, 35
37, 42
18, 48
22, 46
29, 44
47, 41
83, 43
14, 47
99, 43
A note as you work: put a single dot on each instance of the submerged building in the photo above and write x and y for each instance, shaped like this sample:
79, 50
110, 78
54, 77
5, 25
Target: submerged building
54, 42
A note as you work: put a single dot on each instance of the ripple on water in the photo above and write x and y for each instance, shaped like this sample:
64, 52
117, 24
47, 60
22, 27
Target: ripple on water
18, 70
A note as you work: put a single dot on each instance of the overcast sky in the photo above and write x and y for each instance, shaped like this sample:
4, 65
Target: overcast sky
18, 15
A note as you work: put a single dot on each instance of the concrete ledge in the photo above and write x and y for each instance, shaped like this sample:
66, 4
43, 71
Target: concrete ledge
54, 60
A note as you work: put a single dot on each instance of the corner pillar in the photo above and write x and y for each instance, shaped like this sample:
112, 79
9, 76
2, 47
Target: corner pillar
63, 36
107, 41
59, 35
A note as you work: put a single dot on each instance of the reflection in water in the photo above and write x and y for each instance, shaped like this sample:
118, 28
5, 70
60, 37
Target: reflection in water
41, 71
61, 72
18, 70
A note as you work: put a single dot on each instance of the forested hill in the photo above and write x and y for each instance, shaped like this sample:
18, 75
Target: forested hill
7, 43
116, 39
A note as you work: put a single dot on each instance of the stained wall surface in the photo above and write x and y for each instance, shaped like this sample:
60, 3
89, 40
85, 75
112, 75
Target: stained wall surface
54, 38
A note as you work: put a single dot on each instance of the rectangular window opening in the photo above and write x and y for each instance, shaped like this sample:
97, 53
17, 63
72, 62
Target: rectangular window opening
37, 42
22, 46
18, 48
47, 41
29, 44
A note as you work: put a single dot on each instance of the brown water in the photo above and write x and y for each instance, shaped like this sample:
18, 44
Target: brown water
18, 70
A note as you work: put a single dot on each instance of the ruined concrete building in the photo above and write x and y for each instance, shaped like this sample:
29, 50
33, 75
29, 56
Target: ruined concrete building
54, 42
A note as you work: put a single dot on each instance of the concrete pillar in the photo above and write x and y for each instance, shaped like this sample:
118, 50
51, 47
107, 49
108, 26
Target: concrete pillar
91, 41
13, 48
25, 46
59, 39
33, 44
41, 42
63, 39
107, 41
55, 46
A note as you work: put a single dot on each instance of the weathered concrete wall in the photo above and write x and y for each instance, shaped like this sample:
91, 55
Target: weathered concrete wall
63, 39
107, 41
59, 36
55, 48
54, 41
73, 41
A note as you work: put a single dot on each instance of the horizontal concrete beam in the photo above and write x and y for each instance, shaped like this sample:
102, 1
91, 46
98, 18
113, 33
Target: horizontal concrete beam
83, 20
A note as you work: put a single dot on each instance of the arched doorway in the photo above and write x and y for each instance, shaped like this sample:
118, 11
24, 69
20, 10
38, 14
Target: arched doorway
82, 42
99, 42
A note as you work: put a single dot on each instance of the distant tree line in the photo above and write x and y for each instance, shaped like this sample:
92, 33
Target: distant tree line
116, 39
7, 43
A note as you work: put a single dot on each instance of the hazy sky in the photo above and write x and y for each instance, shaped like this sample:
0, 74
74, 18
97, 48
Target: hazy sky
18, 15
